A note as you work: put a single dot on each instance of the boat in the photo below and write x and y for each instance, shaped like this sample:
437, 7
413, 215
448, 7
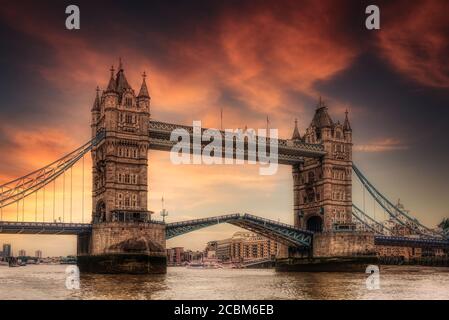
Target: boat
204, 265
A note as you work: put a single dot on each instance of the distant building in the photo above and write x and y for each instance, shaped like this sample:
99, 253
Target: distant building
175, 256
38, 254
190, 256
22, 253
210, 252
7, 252
245, 245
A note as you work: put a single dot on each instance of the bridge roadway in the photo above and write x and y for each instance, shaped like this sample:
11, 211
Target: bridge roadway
280, 232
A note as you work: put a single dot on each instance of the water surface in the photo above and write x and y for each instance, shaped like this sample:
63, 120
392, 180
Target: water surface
396, 282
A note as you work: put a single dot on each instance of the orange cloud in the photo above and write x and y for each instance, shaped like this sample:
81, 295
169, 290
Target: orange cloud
387, 144
415, 41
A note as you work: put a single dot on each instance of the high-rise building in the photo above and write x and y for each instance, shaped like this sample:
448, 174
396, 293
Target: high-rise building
22, 253
7, 252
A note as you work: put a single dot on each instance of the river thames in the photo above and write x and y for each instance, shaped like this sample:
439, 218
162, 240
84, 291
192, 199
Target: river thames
396, 282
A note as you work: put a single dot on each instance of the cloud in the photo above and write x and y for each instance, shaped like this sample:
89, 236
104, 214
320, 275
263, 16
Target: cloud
414, 39
387, 144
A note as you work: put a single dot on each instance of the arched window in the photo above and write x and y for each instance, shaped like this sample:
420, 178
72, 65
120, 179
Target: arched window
134, 201
311, 177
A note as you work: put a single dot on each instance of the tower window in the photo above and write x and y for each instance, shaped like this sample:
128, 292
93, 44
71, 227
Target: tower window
128, 102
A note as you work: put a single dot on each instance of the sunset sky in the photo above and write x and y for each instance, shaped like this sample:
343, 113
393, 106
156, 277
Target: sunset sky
253, 59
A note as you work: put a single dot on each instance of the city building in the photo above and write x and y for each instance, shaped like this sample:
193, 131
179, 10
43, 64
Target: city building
190, 256
7, 251
175, 256
38, 254
210, 252
243, 246
22, 253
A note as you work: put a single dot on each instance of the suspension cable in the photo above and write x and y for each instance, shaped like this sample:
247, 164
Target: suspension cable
71, 189
82, 197
1, 206
14, 190
35, 208
23, 209
54, 202
384, 203
63, 196
43, 205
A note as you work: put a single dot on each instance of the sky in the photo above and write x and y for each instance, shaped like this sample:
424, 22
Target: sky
252, 59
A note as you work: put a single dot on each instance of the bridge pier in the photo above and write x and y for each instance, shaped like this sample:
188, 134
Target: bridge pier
123, 247
333, 252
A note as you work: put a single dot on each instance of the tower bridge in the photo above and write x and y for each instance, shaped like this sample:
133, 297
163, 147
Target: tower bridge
121, 235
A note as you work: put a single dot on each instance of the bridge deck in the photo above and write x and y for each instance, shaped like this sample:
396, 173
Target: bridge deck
44, 228
410, 242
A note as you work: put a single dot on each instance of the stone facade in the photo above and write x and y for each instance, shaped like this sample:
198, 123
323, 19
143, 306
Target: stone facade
120, 160
106, 235
322, 188
343, 244
123, 238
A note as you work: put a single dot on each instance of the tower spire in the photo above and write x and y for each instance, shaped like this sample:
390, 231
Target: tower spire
96, 106
347, 125
120, 64
111, 85
143, 88
296, 135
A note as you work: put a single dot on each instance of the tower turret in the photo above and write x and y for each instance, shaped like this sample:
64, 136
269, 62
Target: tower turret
296, 136
143, 98
95, 112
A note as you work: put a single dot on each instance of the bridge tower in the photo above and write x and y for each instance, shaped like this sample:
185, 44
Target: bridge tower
120, 160
124, 239
322, 187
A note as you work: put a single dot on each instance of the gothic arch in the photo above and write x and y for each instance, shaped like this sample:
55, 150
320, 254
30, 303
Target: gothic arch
314, 223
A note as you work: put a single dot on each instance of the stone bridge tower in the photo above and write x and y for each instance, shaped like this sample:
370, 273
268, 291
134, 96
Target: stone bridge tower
120, 160
323, 187
124, 239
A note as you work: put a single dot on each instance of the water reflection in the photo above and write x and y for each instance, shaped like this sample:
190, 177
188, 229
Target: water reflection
48, 282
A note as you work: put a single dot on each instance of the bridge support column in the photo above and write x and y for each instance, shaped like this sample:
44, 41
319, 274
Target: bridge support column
333, 251
123, 247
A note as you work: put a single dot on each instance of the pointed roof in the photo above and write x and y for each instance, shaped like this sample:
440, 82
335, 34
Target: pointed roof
321, 119
347, 125
96, 106
111, 84
143, 88
121, 84
296, 135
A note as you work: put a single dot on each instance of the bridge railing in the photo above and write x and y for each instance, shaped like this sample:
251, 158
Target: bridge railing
202, 220
273, 222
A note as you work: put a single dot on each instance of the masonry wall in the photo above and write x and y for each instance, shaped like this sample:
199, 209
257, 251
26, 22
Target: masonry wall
337, 244
106, 234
